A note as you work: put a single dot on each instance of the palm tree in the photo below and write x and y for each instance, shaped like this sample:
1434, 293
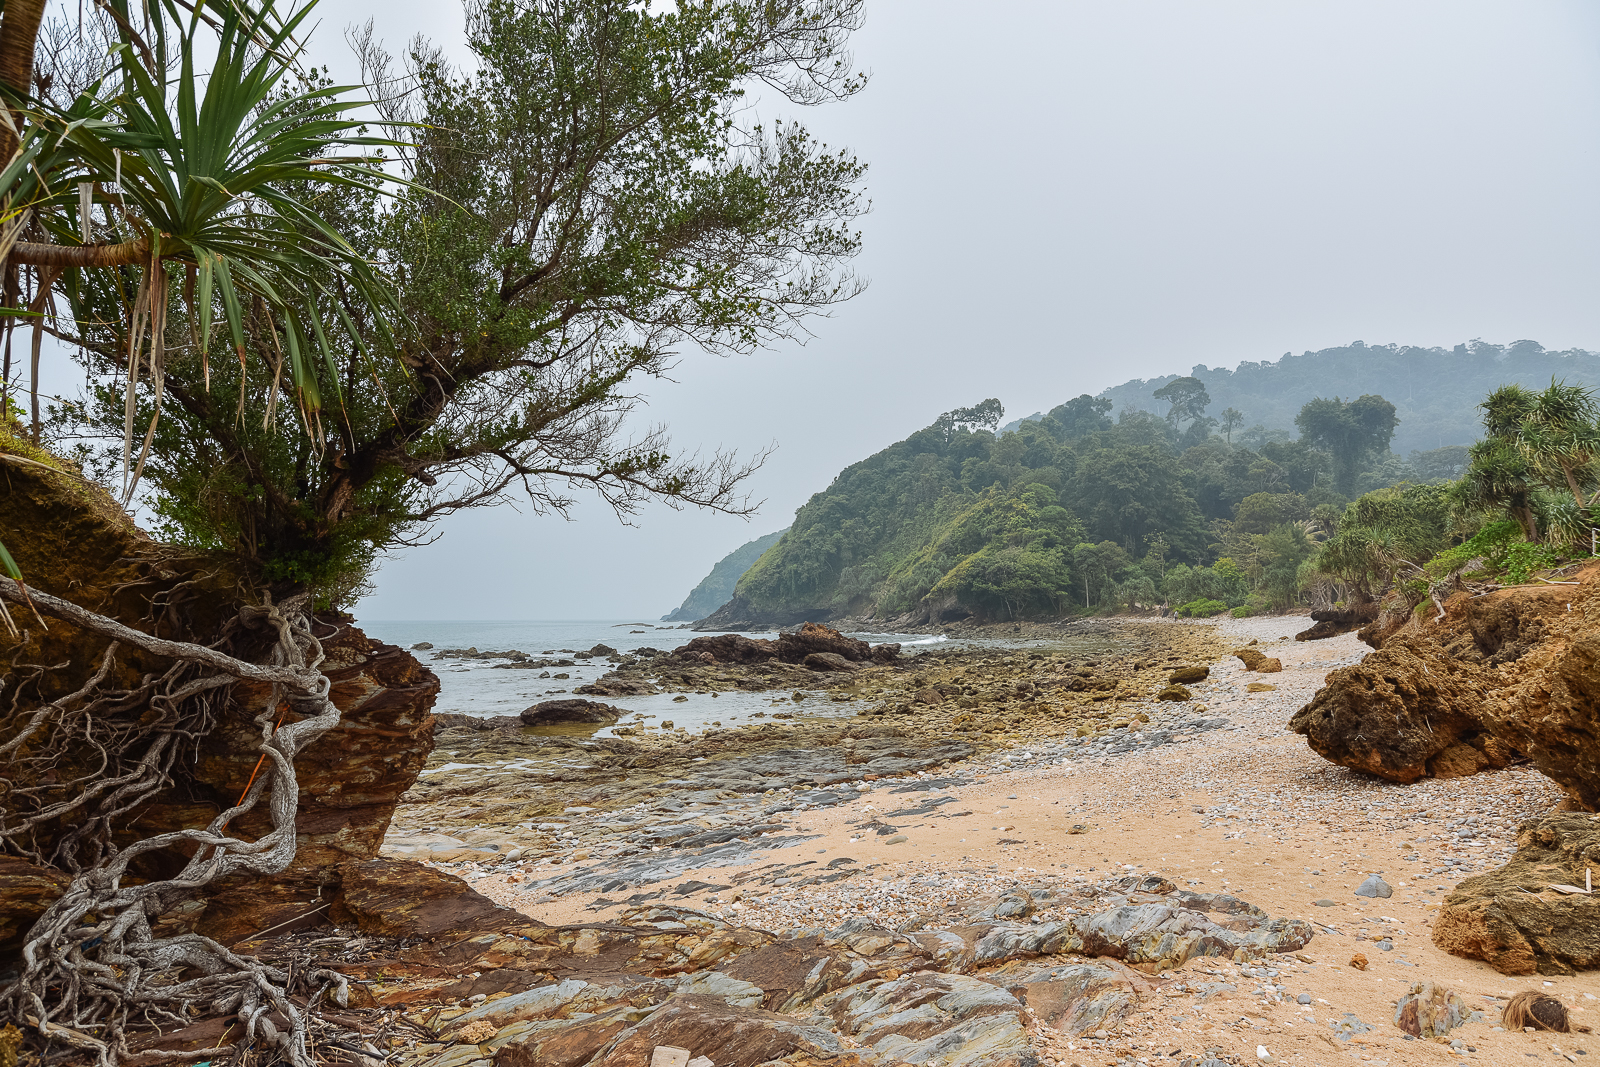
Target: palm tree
1498, 475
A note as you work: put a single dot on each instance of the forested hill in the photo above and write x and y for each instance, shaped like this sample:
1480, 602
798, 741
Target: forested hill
715, 588
1435, 391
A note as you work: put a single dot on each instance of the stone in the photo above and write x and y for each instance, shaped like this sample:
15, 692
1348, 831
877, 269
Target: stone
1187, 675
1174, 692
1323, 903
1255, 660
667, 1056
1259, 687
402, 898
1358, 961
617, 687
570, 710
828, 661
1374, 887
1399, 710
1512, 920
1430, 1011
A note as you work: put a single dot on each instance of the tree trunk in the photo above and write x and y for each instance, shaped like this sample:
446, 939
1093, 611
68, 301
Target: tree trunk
19, 32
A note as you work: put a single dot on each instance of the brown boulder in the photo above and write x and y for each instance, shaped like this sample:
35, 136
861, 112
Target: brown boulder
570, 710
1404, 712
1254, 660
1174, 692
617, 687
728, 648
813, 637
1188, 675
1512, 919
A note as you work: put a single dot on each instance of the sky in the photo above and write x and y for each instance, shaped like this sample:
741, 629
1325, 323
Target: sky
1068, 195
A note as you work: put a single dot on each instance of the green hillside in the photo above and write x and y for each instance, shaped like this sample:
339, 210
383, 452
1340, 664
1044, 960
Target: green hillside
1222, 478
717, 587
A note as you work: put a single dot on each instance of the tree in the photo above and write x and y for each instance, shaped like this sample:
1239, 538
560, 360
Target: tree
1498, 477
1098, 566
1079, 417
1232, 419
1126, 494
1555, 430
584, 208
1349, 432
982, 416
1189, 400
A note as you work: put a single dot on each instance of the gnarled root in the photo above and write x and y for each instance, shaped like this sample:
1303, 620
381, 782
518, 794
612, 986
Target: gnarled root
91, 964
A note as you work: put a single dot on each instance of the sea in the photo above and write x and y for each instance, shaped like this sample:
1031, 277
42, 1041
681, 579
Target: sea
478, 687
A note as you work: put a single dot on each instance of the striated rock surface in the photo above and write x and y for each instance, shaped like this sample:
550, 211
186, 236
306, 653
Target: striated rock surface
1513, 920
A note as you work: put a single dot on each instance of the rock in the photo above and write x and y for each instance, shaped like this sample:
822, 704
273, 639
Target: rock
1358, 961
730, 648
1186, 675
828, 661
1430, 1011
1401, 709
1513, 921
402, 898
561, 1042
26, 891
1374, 887
1259, 687
667, 1056
1076, 998
617, 687
727, 1036
1174, 692
964, 1022
1323, 903
1254, 660
422, 646
602, 650
795, 646
570, 710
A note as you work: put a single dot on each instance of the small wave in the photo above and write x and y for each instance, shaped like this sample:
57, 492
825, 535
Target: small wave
934, 640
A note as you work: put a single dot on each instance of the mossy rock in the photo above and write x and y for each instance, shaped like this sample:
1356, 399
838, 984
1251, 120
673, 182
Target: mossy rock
1259, 687
1185, 675
1174, 692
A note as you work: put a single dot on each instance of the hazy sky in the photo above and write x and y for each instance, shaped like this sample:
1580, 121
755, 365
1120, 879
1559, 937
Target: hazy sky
1067, 195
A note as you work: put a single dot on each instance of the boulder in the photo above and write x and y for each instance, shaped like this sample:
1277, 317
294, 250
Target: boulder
1511, 918
570, 710
1188, 675
730, 648
1255, 660
1406, 711
1174, 692
829, 661
961, 1021
795, 646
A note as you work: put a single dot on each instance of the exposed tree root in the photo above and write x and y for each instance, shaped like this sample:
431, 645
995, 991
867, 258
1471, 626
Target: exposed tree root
91, 964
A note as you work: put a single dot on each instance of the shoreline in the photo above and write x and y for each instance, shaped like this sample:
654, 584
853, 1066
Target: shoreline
1243, 808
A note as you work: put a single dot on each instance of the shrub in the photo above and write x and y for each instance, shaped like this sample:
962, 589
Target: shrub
1241, 612
1202, 608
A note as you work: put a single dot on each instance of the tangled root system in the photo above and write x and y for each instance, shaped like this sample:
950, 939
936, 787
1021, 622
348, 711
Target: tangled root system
1540, 1012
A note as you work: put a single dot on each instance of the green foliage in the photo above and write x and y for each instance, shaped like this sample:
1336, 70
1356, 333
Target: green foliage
1490, 544
1350, 431
1522, 558
1200, 609
1240, 612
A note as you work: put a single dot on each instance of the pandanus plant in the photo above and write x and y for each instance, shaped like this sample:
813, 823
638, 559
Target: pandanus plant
202, 177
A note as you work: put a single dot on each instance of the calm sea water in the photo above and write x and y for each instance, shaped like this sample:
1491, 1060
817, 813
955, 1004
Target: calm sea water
476, 687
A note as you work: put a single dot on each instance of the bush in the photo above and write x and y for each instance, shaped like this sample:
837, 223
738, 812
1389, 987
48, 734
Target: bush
1503, 551
1522, 558
1196, 609
1241, 612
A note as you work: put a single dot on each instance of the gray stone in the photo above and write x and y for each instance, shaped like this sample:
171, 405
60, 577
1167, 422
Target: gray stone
1323, 903
1374, 887
1303, 998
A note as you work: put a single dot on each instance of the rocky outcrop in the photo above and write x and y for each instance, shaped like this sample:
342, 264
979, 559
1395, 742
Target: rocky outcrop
1256, 660
1511, 917
810, 640
1405, 712
72, 541
570, 710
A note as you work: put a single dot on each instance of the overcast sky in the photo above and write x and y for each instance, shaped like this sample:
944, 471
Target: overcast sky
1068, 195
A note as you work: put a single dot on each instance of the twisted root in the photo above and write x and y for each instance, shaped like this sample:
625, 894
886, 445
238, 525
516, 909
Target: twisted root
91, 963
